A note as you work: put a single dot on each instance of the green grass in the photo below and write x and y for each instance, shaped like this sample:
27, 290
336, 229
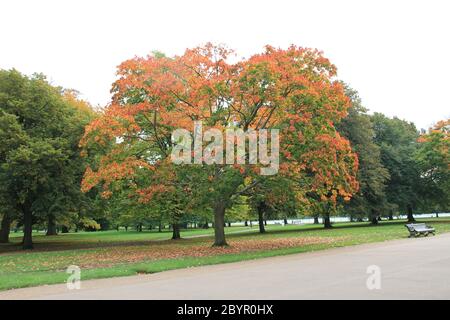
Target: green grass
47, 264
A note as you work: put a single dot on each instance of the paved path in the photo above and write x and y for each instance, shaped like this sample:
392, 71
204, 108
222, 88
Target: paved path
410, 269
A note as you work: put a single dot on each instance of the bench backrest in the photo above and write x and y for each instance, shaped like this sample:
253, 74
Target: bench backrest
416, 226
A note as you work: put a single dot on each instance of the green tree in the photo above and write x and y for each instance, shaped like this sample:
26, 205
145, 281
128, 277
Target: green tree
372, 175
274, 197
433, 159
41, 166
397, 140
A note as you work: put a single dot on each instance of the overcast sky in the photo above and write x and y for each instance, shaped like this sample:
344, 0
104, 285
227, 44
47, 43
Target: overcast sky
395, 53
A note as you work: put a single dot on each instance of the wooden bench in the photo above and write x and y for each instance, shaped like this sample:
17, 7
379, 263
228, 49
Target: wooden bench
418, 229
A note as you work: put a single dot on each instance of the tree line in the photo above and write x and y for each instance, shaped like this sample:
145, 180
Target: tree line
67, 166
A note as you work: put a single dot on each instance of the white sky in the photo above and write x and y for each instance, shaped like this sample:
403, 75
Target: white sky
395, 53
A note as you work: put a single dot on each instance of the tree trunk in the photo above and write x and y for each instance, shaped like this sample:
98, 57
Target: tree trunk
437, 215
229, 224
51, 226
373, 217
176, 231
410, 213
219, 230
261, 219
285, 221
265, 222
5, 229
246, 223
126, 228
316, 220
27, 242
64, 229
327, 221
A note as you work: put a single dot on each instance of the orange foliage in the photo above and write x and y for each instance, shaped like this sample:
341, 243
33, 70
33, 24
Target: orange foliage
292, 90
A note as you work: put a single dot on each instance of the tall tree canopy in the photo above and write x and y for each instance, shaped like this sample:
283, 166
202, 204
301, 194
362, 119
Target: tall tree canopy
398, 143
291, 90
372, 175
40, 163
433, 158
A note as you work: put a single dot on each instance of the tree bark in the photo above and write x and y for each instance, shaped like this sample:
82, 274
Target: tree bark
51, 226
409, 209
219, 230
285, 221
27, 242
64, 229
316, 220
5, 229
262, 229
327, 221
374, 217
246, 223
176, 231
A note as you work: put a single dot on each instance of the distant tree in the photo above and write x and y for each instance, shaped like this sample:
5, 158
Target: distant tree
433, 158
274, 197
398, 144
372, 176
240, 210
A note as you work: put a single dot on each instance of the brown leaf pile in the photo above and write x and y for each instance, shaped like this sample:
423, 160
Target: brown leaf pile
132, 254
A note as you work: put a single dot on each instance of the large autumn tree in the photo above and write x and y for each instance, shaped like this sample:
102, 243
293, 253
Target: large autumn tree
291, 90
40, 163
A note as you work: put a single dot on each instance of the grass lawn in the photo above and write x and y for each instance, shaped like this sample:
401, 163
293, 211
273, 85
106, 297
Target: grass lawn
113, 253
